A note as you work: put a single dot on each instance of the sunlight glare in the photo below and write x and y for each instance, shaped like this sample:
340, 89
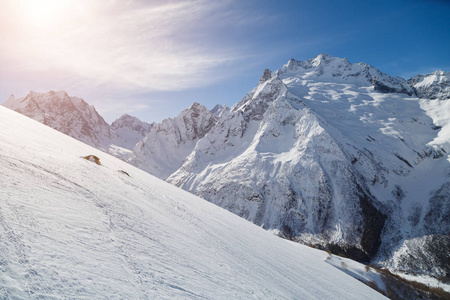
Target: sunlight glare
46, 13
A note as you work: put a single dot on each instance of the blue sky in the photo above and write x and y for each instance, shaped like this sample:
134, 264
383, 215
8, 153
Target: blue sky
152, 59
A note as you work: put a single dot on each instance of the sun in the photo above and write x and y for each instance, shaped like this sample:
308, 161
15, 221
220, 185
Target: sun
45, 13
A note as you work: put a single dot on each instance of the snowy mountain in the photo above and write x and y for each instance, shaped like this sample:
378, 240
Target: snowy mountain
130, 129
337, 155
322, 151
432, 86
71, 228
325, 68
69, 115
163, 150
218, 110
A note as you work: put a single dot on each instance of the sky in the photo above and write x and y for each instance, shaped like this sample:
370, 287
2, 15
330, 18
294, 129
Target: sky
152, 59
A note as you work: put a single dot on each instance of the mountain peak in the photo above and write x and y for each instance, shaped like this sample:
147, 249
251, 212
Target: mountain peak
267, 74
11, 98
163, 150
130, 129
59, 94
438, 72
31, 93
326, 68
218, 110
11, 102
126, 117
321, 58
319, 61
195, 106
435, 85
70, 115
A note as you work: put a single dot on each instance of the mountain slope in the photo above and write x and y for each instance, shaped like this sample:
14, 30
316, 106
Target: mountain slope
70, 228
130, 129
432, 86
334, 154
280, 170
69, 115
163, 150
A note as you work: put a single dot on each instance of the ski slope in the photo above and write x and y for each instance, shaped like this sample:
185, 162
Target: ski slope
70, 228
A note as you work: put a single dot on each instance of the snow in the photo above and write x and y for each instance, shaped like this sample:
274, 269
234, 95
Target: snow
439, 111
164, 148
357, 270
70, 228
430, 281
390, 126
130, 129
432, 86
325, 68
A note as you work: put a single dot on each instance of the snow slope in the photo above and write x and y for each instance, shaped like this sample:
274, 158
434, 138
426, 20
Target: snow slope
70, 228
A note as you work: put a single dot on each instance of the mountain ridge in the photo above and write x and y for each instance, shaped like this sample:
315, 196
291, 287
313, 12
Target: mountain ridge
70, 115
130, 129
166, 145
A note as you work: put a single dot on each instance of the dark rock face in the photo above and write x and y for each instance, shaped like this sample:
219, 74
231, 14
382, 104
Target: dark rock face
426, 254
437, 218
383, 88
373, 226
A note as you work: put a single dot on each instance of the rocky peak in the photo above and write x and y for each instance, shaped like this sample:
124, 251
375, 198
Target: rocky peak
163, 150
196, 106
218, 110
197, 120
69, 115
130, 129
319, 62
196, 109
435, 85
325, 59
12, 102
325, 68
131, 122
267, 74
255, 103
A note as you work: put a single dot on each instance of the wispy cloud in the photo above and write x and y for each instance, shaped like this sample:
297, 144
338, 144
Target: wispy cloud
125, 45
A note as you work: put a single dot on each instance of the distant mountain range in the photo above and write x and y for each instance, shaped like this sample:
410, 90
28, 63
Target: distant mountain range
325, 152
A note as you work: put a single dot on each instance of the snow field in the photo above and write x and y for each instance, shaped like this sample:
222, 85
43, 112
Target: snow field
70, 228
